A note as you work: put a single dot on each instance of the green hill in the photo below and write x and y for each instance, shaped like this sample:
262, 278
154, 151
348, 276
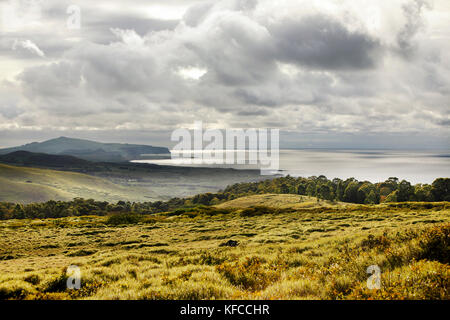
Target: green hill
134, 181
89, 150
277, 201
25, 185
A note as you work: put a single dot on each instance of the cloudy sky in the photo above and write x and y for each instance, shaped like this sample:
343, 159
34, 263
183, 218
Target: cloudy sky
327, 73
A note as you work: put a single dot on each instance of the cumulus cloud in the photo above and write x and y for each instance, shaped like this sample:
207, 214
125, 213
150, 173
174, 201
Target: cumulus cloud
321, 42
291, 64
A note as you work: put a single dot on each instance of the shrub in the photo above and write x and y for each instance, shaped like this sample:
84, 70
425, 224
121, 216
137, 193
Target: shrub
59, 285
15, 289
380, 242
339, 287
435, 244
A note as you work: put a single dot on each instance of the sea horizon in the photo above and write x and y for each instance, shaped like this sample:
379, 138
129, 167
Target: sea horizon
374, 165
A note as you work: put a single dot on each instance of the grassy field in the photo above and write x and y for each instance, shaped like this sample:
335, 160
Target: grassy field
25, 185
280, 201
114, 182
312, 252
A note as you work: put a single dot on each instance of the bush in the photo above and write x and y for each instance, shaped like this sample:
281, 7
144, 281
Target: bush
380, 242
435, 244
59, 285
15, 289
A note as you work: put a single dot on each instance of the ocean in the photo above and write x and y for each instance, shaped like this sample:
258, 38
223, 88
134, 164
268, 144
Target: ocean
371, 165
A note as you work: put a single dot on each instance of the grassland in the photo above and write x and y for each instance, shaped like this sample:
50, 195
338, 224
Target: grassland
25, 185
113, 182
280, 201
300, 250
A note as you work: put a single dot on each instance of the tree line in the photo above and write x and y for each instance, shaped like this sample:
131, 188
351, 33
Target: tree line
349, 190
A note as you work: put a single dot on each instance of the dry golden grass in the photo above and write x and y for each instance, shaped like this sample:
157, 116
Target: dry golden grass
279, 201
301, 254
35, 185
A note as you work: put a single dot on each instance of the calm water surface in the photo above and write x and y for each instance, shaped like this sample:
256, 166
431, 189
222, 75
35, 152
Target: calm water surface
371, 165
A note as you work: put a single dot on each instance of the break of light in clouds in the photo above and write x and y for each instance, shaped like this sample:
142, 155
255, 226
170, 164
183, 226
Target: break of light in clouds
323, 68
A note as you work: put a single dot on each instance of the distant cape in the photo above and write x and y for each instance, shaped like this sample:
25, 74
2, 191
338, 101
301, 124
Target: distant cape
90, 150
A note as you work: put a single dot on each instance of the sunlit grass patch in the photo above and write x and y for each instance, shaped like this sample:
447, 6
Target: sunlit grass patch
280, 254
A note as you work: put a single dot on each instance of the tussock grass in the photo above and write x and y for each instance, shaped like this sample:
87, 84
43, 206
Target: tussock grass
282, 253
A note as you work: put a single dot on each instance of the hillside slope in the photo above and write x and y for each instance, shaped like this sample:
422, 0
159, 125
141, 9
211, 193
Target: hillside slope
25, 158
137, 182
278, 201
25, 185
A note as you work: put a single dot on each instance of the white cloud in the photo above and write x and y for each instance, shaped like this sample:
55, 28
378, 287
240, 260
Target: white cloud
328, 66
191, 73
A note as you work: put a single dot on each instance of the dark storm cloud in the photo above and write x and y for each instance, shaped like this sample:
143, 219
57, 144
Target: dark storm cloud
255, 98
320, 42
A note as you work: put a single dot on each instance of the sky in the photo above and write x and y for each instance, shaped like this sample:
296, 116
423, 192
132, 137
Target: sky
343, 73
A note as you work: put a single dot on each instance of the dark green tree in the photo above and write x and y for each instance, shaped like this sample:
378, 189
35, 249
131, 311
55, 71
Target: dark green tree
441, 189
351, 192
18, 212
405, 192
